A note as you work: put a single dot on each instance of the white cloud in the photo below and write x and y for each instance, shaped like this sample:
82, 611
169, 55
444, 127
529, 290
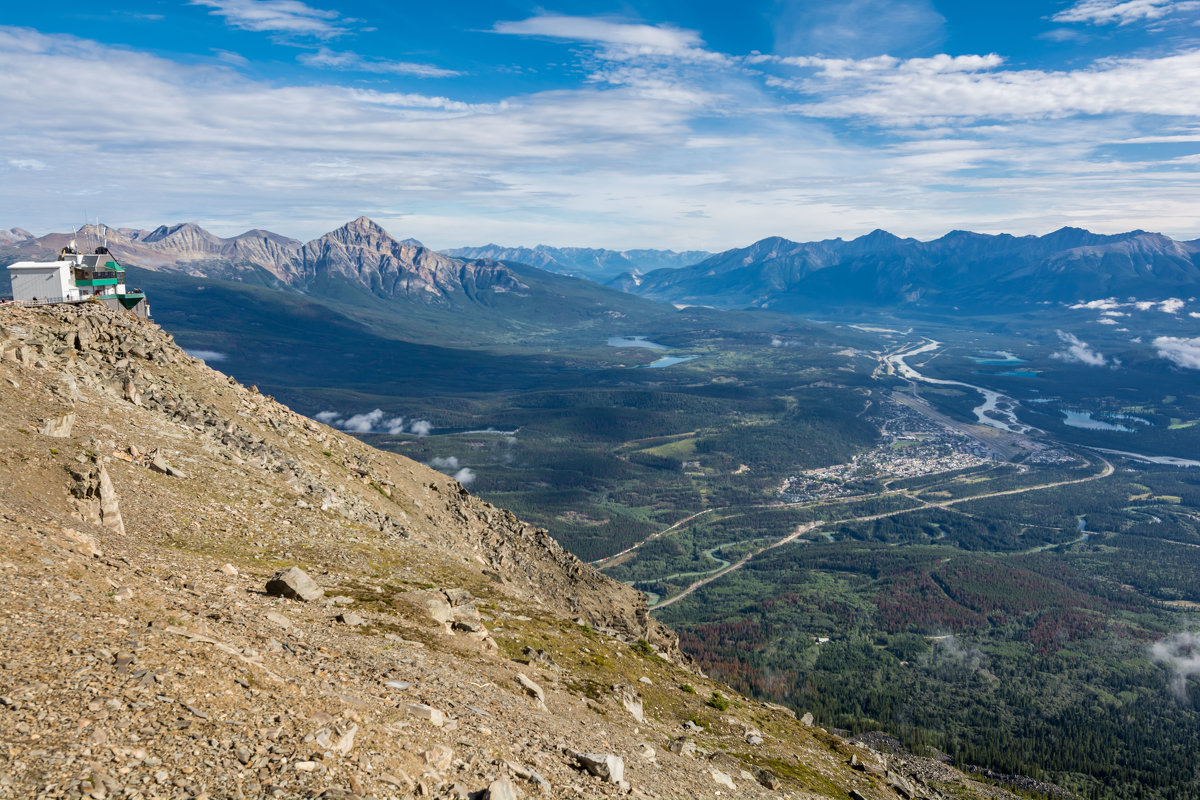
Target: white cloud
276, 16
363, 423
840, 68
668, 148
1180, 351
858, 27
620, 39
1181, 653
1078, 352
29, 164
230, 57
1108, 306
376, 421
1107, 321
932, 91
325, 58
1105, 304
1122, 12
464, 476
449, 462
207, 355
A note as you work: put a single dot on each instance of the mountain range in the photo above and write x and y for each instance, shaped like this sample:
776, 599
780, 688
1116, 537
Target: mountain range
585, 262
360, 252
402, 289
961, 269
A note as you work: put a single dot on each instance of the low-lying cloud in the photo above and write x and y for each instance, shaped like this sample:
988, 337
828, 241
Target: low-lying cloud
1079, 352
448, 464
1179, 351
1109, 305
207, 355
376, 421
1181, 653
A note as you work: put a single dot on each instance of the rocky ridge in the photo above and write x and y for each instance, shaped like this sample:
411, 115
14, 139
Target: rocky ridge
962, 268
360, 253
204, 595
586, 262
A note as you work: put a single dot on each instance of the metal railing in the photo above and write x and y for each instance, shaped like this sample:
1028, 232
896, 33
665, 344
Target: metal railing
47, 301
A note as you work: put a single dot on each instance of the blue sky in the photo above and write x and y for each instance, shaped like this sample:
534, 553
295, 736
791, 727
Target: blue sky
691, 125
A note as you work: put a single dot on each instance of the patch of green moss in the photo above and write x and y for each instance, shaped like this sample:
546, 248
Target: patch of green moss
798, 771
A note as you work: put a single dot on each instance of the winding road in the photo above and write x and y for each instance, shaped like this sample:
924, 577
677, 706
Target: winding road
801, 530
609, 561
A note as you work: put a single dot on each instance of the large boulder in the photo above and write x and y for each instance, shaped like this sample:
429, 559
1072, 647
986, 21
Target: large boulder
604, 766
59, 427
295, 584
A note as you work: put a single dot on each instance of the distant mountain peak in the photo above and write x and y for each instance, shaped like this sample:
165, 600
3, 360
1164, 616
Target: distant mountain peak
366, 224
879, 234
13, 235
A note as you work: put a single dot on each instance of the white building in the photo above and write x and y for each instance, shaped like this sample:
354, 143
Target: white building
74, 278
42, 281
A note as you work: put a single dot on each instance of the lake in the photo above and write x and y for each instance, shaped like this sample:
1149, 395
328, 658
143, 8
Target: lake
997, 357
635, 341
1083, 419
669, 361
1012, 373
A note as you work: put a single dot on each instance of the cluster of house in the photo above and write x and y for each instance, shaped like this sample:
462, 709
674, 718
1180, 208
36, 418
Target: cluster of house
76, 278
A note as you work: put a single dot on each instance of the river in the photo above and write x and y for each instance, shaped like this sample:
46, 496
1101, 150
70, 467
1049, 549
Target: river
994, 403
1170, 461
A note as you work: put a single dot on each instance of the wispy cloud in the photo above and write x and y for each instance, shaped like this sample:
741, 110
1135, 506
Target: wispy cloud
1180, 351
465, 476
935, 90
855, 28
353, 62
290, 17
230, 57
841, 68
622, 40
1122, 12
1079, 352
27, 164
211, 356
